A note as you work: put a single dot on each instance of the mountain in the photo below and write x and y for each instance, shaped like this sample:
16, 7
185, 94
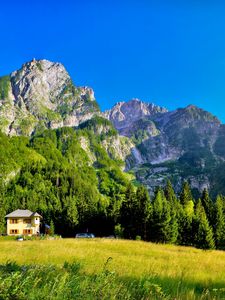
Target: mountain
42, 95
125, 115
146, 140
185, 144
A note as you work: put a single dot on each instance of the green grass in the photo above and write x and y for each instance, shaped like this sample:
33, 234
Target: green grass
109, 269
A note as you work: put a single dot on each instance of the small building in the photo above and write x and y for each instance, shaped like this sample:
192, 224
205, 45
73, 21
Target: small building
23, 222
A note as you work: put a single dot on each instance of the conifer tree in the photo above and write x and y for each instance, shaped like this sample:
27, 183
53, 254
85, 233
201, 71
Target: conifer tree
157, 212
174, 225
163, 225
144, 211
185, 195
220, 223
186, 216
204, 234
170, 194
208, 205
128, 213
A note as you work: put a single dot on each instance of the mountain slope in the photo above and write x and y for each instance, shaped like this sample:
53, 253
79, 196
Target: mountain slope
67, 175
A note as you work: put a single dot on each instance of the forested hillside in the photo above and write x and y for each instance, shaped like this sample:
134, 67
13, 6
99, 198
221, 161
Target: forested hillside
77, 190
53, 174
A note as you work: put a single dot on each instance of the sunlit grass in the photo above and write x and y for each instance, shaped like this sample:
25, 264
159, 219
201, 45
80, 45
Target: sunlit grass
178, 270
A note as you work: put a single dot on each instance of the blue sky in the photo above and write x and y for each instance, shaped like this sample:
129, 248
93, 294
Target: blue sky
171, 53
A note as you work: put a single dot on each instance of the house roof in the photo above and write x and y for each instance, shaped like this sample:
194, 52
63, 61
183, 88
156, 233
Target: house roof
22, 213
36, 215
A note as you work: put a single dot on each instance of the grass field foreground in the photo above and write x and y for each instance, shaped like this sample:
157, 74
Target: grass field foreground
112, 269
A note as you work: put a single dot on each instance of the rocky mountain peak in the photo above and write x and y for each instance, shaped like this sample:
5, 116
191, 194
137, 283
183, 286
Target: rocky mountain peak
123, 114
42, 95
39, 82
193, 113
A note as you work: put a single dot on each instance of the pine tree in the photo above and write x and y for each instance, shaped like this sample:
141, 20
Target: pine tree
208, 205
157, 211
174, 224
186, 216
204, 234
170, 194
175, 210
220, 223
129, 210
144, 211
163, 223
185, 195
71, 213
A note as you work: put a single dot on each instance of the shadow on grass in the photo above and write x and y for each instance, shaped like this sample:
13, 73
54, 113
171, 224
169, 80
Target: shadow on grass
69, 282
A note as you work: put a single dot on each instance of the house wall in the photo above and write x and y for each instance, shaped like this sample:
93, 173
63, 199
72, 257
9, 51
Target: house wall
20, 226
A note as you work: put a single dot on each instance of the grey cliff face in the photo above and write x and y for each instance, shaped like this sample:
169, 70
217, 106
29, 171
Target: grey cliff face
124, 114
39, 83
41, 95
185, 144
181, 131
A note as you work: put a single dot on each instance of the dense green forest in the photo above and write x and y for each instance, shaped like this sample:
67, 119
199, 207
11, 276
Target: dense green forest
52, 174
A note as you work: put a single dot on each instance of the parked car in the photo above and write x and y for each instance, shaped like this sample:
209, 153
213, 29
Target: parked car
110, 237
85, 235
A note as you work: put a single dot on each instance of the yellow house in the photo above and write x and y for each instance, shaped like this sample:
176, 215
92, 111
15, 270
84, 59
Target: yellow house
23, 222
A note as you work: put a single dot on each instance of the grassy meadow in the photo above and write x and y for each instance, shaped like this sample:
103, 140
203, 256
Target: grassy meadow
108, 269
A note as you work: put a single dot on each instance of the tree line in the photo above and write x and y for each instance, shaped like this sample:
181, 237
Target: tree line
168, 218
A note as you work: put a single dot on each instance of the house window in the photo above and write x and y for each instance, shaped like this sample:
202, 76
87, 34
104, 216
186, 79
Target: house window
27, 231
14, 231
13, 221
26, 221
